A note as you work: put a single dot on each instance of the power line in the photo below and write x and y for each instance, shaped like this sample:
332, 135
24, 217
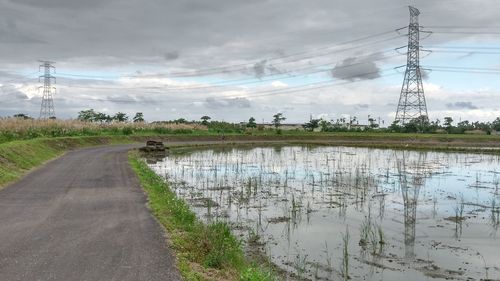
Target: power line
464, 52
464, 68
254, 81
224, 69
468, 32
299, 88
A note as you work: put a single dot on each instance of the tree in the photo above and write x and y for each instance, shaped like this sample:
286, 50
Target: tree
373, 123
22, 116
311, 125
139, 117
120, 117
447, 124
251, 123
205, 120
180, 121
277, 118
463, 126
88, 115
325, 125
395, 127
417, 125
495, 125
101, 117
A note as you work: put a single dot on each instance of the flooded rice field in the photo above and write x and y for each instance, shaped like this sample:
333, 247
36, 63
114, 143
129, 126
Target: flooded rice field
333, 213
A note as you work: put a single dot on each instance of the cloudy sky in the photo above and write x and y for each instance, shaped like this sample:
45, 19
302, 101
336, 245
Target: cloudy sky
233, 59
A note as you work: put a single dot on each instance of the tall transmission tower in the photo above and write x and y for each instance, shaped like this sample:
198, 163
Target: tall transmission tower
412, 103
47, 108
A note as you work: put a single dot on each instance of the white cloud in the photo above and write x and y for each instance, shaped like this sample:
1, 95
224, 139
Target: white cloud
279, 84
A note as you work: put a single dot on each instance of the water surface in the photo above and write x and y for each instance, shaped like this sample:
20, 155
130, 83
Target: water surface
324, 212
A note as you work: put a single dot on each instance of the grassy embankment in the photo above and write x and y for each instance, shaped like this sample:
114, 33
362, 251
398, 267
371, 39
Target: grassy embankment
204, 252
18, 157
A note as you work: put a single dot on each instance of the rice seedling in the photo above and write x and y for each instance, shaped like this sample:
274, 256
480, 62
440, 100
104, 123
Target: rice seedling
345, 255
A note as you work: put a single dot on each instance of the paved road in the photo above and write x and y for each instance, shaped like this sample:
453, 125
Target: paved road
81, 217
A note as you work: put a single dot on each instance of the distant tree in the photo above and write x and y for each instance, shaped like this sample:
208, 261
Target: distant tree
205, 120
495, 125
180, 121
324, 125
120, 117
417, 125
102, 117
395, 127
311, 125
463, 126
448, 124
277, 118
22, 116
139, 117
251, 123
88, 115
373, 123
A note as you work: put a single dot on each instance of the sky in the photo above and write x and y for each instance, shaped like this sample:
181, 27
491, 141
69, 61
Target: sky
236, 59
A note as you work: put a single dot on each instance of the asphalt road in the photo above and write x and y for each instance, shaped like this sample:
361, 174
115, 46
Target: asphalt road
82, 217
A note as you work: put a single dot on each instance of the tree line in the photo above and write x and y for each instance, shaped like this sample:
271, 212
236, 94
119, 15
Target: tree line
90, 115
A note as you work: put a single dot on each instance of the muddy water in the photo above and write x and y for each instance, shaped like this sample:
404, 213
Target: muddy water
325, 213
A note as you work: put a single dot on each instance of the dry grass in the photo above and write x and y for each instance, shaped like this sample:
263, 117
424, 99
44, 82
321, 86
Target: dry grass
17, 128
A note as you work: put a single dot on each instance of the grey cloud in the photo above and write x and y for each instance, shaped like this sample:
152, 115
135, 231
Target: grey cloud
11, 34
221, 103
12, 94
260, 69
169, 56
60, 3
357, 68
128, 35
130, 29
424, 73
461, 105
264, 68
362, 105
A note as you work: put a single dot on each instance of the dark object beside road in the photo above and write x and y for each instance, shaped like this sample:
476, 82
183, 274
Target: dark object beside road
153, 146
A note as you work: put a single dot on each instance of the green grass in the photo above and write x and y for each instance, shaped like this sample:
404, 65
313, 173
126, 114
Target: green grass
204, 252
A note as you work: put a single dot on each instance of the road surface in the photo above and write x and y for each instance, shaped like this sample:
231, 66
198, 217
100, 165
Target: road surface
82, 217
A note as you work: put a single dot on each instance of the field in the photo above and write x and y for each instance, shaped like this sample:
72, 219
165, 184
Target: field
340, 213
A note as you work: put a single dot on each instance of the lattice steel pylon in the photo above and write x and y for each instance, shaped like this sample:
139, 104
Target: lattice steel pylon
47, 109
412, 103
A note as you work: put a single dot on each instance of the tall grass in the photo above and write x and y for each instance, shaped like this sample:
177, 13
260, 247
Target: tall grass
23, 129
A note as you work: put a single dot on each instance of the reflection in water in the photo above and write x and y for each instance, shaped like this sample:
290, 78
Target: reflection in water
410, 199
294, 203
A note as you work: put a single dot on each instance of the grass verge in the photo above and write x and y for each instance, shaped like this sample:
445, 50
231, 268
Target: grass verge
204, 251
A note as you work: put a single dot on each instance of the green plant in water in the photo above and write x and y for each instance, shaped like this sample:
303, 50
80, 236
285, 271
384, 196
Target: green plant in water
345, 255
300, 265
328, 258
257, 274
381, 240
